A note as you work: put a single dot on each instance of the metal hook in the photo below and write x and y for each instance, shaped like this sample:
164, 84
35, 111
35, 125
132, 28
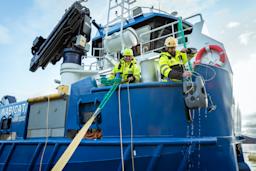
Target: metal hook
212, 107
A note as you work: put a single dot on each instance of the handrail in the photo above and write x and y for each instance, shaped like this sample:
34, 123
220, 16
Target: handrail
92, 64
159, 28
143, 43
96, 49
174, 34
158, 38
195, 15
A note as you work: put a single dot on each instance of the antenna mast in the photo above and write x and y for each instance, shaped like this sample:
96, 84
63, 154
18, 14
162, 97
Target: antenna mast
124, 7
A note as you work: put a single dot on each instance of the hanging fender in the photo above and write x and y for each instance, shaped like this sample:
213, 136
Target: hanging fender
217, 48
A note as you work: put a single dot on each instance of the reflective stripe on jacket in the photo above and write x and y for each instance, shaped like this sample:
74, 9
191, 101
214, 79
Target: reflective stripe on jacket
167, 63
126, 69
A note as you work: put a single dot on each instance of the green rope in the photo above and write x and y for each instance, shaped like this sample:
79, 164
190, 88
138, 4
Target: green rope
106, 98
183, 40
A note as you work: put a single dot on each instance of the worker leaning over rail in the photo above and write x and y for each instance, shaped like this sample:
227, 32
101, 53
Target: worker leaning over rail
127, 68
172, 62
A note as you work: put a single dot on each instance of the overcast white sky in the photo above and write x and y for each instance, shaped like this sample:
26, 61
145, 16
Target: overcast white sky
231, 21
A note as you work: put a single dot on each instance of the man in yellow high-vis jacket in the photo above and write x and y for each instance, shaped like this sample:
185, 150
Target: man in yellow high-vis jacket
172, 62
127, 68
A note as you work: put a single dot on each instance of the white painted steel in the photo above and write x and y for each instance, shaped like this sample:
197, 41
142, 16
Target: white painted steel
71, 73
113, 43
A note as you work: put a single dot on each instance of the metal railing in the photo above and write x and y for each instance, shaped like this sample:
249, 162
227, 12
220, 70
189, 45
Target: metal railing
100, 50
100, 58
194, 16
145, 46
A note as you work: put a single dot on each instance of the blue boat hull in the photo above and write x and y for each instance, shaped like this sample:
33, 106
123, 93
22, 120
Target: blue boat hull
150, 154
164, 139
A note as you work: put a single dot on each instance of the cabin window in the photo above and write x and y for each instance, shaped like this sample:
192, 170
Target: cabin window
139, 31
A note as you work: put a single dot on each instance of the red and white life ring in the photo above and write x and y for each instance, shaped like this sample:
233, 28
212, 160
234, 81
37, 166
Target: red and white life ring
221, 52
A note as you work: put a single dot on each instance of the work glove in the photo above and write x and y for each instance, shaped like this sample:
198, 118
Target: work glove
118, 75
175, 74
130, 79
186, 74
189, 50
